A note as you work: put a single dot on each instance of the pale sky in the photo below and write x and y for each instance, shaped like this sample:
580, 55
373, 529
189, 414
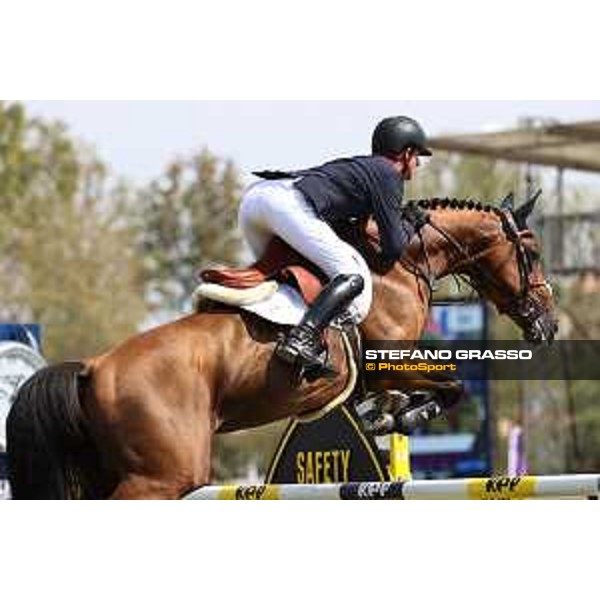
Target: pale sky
138, 138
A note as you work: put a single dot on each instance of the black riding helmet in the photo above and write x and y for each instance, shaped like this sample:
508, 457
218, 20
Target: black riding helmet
395, 134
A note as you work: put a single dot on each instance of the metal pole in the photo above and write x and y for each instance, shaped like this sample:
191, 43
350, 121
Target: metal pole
561, 218
493, 488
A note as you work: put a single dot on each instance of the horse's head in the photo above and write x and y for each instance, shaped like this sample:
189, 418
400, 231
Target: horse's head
509, 273
493, 247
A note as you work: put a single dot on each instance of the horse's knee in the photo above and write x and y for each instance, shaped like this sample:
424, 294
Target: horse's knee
452, 393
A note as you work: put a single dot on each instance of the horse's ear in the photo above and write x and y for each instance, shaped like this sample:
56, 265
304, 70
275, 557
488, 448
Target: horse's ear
508, 203
523, 212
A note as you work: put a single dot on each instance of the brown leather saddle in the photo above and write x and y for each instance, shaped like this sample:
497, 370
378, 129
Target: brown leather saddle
280, 263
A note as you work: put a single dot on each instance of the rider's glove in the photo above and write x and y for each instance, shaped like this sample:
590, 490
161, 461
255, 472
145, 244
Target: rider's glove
415, 215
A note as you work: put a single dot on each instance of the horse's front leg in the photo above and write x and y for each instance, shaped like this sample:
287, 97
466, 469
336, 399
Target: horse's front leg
404, 404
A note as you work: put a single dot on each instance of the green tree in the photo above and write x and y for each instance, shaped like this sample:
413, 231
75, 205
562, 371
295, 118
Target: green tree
465, 177
66, 258
187, 218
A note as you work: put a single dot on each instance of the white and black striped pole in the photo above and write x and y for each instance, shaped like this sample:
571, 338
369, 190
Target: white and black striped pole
493, 488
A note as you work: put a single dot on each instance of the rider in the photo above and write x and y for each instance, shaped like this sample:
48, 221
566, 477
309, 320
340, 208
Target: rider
306, 207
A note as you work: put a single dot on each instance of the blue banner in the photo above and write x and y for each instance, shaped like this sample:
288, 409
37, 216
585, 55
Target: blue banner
25, 333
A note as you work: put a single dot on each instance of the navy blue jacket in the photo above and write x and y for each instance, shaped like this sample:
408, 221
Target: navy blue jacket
357, 187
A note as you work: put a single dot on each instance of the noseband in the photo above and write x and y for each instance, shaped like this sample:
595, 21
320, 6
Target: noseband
522, 304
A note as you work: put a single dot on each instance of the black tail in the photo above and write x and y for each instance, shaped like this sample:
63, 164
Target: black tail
50, 452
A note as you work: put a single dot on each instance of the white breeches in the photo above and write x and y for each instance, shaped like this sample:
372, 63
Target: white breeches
271, 208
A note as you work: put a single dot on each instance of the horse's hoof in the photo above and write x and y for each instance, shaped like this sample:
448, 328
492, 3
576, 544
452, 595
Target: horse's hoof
377, 423
412, 419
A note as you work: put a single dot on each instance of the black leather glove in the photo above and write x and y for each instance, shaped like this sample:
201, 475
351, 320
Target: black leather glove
415, 215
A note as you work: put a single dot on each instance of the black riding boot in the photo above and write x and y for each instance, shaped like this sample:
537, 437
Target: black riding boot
303, 346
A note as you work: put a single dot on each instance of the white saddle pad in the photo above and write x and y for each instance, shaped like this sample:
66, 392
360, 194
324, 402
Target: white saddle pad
277, 303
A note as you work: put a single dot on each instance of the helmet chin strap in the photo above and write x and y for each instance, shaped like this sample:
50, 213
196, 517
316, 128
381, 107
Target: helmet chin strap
401, 163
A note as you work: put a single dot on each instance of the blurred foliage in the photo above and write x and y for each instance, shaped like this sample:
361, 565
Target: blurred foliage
453, 176
66, 259
246, 455
187, 218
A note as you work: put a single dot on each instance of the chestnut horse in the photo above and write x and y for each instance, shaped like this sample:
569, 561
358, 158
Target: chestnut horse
138, 421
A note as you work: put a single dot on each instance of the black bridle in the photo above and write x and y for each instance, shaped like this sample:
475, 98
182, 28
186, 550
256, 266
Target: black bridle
522, 304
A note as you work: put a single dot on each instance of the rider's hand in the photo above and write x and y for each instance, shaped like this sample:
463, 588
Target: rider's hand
415, 215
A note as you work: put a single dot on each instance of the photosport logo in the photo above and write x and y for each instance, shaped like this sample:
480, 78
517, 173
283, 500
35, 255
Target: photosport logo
406, 366
476, 360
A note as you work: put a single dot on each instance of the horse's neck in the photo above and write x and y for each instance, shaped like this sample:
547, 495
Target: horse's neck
401, 298
465, 234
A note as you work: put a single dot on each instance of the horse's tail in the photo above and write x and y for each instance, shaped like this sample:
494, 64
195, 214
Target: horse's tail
50, 452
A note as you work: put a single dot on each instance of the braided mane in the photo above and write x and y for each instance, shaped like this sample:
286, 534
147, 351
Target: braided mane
455, 204
368, 241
